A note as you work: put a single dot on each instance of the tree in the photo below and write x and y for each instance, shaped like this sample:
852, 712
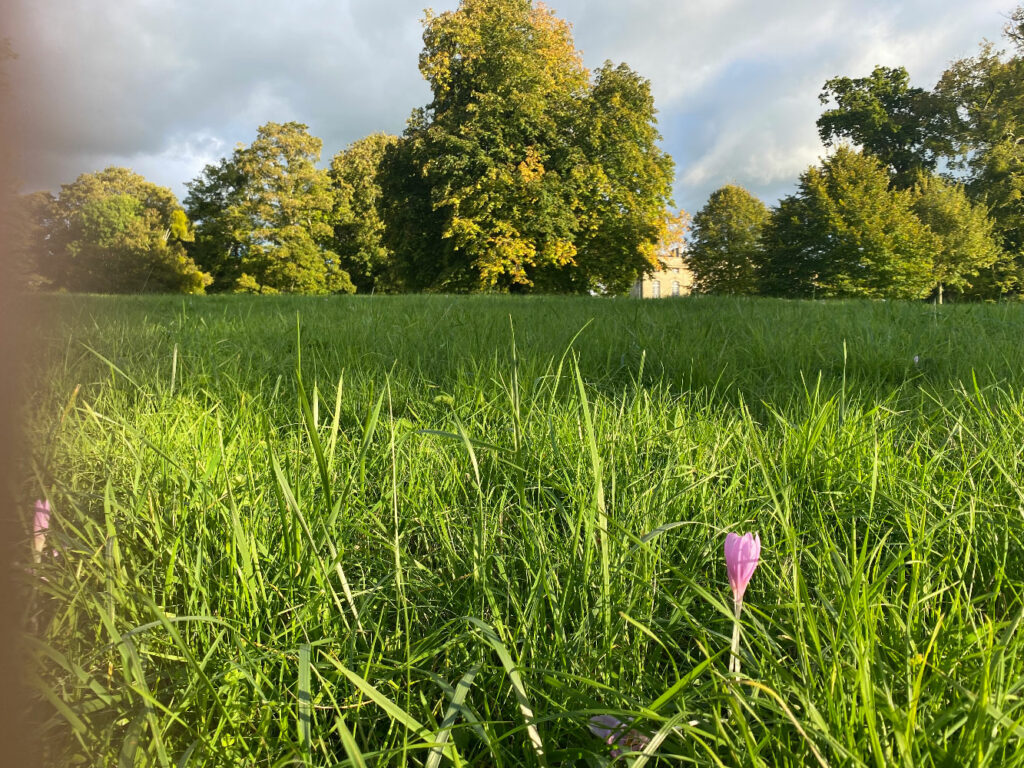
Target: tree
967, 243
902, 126
625, 188
115, 232
846, 233
264, 215
413, 228
1014, 29
521, 173
725, 245
986, 94
998, 183
358, 227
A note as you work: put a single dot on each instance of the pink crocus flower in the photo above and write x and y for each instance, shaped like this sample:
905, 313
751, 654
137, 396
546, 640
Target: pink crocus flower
742, 554
41, 525
617, 734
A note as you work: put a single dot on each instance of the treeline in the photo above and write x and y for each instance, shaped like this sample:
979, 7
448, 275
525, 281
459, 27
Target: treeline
526, 172
923, 197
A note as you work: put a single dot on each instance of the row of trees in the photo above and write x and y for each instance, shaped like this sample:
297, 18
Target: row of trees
930, 202
525, 172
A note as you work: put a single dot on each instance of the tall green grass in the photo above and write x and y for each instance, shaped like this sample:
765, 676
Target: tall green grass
435, 531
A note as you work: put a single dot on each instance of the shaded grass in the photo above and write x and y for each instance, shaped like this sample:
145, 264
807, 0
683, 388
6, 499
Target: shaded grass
446, 531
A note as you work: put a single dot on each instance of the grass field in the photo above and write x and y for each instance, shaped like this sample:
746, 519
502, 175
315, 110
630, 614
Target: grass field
436, 531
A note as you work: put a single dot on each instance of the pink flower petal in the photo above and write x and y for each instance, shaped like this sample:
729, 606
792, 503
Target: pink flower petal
742, 554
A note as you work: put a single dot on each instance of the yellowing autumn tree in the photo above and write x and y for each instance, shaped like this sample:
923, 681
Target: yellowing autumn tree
524, 172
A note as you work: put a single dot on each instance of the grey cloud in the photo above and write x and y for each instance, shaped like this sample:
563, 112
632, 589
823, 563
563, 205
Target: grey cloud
136, 83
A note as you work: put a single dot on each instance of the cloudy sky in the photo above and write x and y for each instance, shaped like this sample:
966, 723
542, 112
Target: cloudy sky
166, 86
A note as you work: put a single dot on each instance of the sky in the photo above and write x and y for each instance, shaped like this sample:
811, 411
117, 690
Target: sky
166, 86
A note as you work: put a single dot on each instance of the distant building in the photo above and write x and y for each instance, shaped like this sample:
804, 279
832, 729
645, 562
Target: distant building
673, 279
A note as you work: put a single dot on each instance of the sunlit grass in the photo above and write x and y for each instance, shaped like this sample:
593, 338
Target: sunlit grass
439, 531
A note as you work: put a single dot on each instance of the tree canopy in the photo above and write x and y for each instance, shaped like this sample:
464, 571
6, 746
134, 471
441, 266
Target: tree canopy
971, 125
528, 172
967, 245
883, 115
358, 237
846, 233
115, 232
523, 172
987, 93
264, 216
725, 242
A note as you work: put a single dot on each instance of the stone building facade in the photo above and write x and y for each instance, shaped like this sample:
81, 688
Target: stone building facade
673, 279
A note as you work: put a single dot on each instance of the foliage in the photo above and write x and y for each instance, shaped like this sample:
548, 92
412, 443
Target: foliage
987, 93
264, 215
358, 238
882, 114
973, 122
968, 246
254, 573
413, 228
114, 232
1014, 29
522, 173
624, 218
845, 233
725, 245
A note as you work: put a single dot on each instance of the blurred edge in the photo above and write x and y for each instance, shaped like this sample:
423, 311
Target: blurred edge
16, 732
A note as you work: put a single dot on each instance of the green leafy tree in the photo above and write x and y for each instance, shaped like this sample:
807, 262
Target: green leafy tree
986, 94
998, 183
968, 247
902, 126
115, 232
725, 244
358, 227
264, 217
211, 195
845, 233
624, 182
522, 173
413, 228
1014, 29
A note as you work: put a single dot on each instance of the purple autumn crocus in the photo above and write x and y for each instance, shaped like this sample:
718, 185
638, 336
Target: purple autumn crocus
41, 526
617, 734
742, 554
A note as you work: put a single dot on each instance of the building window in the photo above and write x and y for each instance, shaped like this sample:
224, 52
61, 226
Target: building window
656, 290
675, 288
675, 270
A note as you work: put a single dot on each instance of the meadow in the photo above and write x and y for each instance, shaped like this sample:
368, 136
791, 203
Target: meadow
448, 531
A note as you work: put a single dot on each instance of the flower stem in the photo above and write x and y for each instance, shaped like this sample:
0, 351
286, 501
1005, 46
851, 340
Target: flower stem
734, 654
